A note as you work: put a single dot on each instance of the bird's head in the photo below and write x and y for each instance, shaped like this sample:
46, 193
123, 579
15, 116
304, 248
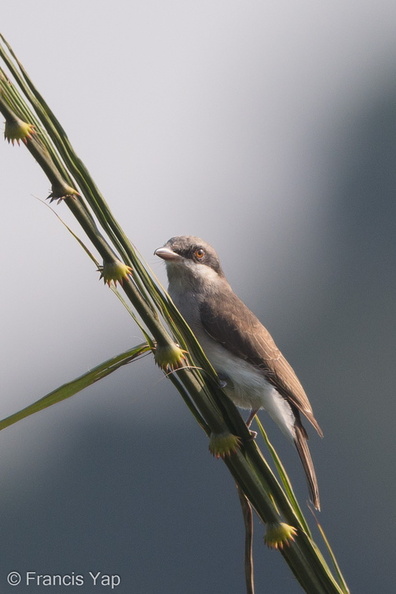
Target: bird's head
190, 259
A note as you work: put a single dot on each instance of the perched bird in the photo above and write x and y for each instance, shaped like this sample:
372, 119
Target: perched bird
255, 373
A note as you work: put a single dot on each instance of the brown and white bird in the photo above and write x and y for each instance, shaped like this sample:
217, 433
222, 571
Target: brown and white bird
255, 373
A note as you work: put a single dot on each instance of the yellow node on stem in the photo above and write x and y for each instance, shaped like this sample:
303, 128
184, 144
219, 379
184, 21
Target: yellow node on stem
62, 191
169, 356
222, 445
279, 535
114, 272
16, 130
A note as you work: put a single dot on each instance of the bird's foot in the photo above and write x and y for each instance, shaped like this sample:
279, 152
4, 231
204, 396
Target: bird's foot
222, 382
253, 435
253, 413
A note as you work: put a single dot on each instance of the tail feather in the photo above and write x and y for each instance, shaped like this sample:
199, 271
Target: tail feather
301, 444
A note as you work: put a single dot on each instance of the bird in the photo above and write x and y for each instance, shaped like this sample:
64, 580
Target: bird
253, 372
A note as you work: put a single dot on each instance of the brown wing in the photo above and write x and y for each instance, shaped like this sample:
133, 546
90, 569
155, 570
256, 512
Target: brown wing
232, 324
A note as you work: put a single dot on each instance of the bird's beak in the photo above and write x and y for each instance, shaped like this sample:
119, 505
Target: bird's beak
167, 254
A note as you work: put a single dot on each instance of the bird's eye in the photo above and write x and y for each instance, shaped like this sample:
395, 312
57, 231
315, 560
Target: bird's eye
199, 253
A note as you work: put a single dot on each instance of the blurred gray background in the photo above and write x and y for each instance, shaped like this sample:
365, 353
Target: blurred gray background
269, 129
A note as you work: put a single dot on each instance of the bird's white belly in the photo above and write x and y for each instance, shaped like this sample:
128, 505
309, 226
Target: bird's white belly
247, 386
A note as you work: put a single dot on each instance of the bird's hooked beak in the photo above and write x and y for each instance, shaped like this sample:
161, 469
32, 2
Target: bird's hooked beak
167, 254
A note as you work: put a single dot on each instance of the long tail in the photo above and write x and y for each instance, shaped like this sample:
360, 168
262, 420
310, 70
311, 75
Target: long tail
300, 441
